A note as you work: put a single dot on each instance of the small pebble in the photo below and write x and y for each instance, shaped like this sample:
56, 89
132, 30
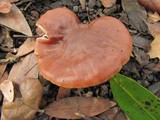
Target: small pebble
91, 3
75, 9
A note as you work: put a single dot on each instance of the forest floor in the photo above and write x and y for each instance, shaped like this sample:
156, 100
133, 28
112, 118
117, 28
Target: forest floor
141, 67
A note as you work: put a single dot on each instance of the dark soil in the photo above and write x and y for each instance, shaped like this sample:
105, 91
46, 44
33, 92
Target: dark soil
140, 67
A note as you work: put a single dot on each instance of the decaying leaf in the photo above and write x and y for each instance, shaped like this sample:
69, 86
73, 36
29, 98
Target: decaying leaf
24, 108
155, 47
78, 107
5, 6
27, 47
155, 87
135, 14
153, 5
16, 21
121, 116
154, 28
141, 42
4, 76
2, 69
7, 89
26, 67
109, 114
108, 3
114, 113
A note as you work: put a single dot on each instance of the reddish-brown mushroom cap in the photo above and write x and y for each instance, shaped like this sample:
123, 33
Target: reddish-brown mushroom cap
81, 55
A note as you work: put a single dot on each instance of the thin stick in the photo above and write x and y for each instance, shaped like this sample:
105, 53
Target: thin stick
9, 60
25, 36
5, 49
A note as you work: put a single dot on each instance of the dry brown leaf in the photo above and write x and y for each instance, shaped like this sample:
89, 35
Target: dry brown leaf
16, 21
24, 108
2, 69
26, 67
7, 89
135, 14
4, 76
27, 47
154, 28
78, 107
109, 114
108, 3
5, 6
155, 87
155, 47
121, 116
154, 17
141, 42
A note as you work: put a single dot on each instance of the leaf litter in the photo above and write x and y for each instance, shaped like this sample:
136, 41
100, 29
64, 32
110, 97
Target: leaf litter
94, 9
12, 18
24, 108
135, 13
153, 28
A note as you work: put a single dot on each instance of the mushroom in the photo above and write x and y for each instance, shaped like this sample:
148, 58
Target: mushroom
75, 55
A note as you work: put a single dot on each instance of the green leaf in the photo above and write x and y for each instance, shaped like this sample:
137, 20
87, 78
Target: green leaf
136, 101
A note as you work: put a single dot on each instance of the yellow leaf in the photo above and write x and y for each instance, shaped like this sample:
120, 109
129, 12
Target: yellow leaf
155, 47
